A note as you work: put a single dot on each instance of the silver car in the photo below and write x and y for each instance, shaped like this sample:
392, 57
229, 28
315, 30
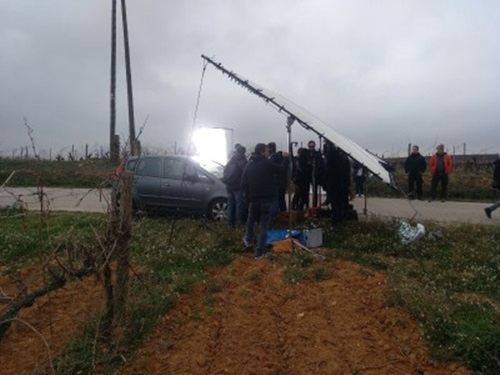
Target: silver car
178, 184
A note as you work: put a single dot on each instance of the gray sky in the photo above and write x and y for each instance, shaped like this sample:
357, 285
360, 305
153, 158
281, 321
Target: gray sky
383, 73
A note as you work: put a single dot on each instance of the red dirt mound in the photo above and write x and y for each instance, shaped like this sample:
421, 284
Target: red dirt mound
245, 319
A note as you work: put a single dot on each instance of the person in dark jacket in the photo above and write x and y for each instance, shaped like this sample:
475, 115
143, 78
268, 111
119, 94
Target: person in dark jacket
359, 178
327, 144
301, 180
495, 185
316, 167
258, 183
283, 185
279, 204
496, 173
337, 182
415, 166
232, 178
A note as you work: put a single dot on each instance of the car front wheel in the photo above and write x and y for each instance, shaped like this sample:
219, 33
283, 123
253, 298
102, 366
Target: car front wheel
217, 210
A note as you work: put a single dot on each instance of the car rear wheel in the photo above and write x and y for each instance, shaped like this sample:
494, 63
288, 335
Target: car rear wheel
217, 210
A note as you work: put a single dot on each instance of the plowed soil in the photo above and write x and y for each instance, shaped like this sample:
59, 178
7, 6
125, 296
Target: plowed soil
246, 319
44, 329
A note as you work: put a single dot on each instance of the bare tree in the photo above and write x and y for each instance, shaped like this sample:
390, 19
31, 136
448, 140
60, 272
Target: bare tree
32, 140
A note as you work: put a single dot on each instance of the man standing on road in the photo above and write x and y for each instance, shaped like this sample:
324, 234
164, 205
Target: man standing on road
496, 185
258, 182
440, 166
415, 165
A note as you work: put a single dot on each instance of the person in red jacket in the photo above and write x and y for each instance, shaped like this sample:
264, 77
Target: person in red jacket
440, 166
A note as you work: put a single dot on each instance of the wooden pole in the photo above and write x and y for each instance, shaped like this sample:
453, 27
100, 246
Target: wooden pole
130, 96
113, 151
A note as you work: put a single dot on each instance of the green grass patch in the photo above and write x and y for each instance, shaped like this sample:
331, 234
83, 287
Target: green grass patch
26, 235
302, 266
75, 174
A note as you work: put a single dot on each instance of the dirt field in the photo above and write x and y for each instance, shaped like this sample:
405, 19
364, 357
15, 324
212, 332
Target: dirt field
245, 319
49, 325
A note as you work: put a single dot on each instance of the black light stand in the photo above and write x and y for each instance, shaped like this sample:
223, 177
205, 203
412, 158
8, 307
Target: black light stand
289, 122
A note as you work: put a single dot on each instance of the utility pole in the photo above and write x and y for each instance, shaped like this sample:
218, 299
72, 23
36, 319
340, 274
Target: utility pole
130, 96
113, 146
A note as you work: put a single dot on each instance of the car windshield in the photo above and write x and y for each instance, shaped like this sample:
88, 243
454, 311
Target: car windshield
130, 166
211, 166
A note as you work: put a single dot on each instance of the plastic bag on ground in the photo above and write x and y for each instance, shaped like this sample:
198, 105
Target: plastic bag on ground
409, 233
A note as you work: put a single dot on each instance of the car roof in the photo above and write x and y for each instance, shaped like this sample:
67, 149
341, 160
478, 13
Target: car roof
158, 156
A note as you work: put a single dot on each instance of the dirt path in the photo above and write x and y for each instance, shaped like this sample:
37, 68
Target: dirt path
246, 320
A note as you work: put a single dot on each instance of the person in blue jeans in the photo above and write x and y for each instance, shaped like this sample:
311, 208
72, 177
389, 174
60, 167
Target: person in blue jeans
232, 178
258, 184
490, 209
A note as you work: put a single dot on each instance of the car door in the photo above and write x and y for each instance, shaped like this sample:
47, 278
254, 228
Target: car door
173, 184
146, 189
198, 189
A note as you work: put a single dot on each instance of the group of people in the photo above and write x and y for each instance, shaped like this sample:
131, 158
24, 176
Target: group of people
237, 204
314, 170
440, 166
257, 187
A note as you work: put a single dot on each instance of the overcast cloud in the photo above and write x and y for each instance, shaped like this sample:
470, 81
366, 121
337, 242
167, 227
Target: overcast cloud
383, 73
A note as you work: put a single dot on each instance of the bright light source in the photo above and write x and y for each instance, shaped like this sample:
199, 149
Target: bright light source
210, 144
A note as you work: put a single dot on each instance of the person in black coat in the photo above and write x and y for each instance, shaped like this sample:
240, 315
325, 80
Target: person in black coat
316, 168
495, 185
415, 166
359, 178
496, 173
258, 182
281, 181
232, 178
301, 180
337, 182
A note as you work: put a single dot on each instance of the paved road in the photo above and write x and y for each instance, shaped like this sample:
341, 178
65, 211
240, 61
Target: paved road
58, 199
450, 211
